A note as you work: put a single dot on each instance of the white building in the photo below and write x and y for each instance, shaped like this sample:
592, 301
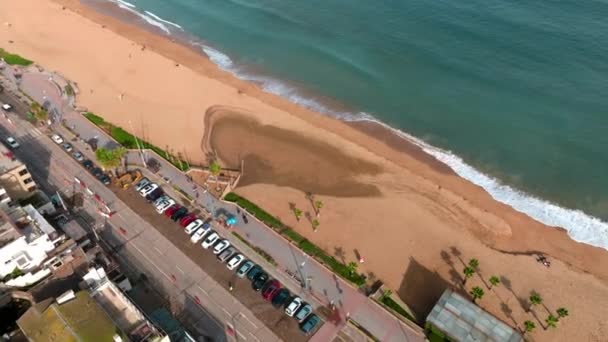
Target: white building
26, 239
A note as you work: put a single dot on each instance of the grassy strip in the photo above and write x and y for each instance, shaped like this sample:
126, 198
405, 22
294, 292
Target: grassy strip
257, 249
388, 301
305, 245
128, 140
13, 59
434, 335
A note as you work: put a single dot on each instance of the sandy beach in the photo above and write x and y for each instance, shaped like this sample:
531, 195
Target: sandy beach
410, 216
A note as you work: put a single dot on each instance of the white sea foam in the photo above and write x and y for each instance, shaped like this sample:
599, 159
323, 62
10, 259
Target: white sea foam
128, 4
149, 19
163, 20
580, 226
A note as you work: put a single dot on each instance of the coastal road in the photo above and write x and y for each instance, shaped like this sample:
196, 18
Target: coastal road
323, 286
210, 307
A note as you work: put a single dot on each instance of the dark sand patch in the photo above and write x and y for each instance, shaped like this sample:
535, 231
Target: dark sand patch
273, 155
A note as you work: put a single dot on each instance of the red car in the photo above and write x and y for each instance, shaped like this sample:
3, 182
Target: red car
169, 212
271, 289
184, 221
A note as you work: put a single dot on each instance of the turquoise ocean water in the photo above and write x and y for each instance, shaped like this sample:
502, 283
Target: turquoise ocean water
513, 95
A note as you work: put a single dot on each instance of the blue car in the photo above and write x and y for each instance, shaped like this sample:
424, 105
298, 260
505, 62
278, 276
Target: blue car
309, 325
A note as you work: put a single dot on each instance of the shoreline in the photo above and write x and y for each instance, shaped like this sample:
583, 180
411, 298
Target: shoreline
541, 210
424, 208
383, 139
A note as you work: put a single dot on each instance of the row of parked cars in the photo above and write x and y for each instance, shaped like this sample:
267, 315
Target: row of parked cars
200, 231
87, 163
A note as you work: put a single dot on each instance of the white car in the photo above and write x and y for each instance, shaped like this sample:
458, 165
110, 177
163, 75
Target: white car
210, 240
12, 142
235, 261
193, 226
219, 248
7, 107
57, 139
148, 189
140, 185
164, 205
160, 200
293, 306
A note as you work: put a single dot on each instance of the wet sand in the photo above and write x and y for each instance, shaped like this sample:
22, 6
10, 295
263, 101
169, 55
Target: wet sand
415, 221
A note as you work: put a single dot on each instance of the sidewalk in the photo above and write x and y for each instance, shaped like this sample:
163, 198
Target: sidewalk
323, 285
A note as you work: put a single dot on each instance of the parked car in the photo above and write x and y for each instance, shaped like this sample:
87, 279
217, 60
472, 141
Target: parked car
184, 221
293, 306
254, 271
78, 156
97, 172
105, 179
165, 204
179, 213
148, 189
155, 194
280, 298
172, 209
220, 246
235, 261
200, 233
210, 240
141, 184
57, 139
227, 253
304, 311
259, 281
245, 267
12, 143
160, 200
68, 147
309, 325
193, 227
7, 107
88, 164
271, 289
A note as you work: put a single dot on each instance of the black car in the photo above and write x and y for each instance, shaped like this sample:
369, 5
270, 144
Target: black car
155, 194
259, 281
97, 172
254, 271
105, 179
88, 164
179, 213
280, 297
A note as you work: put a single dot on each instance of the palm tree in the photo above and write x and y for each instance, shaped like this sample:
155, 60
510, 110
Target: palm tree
298, 213
352, 267
110, 159
494, 280
529, 326
474, 264
215, 168
468, 273
562, 312
535, 299
315, 224
477, 293
551, 321
318, 206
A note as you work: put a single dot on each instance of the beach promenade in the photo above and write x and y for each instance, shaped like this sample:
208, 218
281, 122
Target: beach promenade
323, 286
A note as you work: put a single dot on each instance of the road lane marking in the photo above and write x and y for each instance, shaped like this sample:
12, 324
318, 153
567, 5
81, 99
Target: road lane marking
150, 261
241, 335
255, 338
37, 131
248, 320
226, 311
158, 250
202, 290
179, 269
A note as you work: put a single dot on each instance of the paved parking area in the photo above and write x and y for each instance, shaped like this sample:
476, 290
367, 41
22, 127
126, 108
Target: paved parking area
283, 326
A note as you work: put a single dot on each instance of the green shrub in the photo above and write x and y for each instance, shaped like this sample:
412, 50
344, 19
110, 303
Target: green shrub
388, 301
13, 59
68, 90
97, 120
260, 214
434, 335
257, 249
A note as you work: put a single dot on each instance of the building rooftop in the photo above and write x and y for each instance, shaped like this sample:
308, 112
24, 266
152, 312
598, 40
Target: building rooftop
462, 321
30, 223
79, 319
